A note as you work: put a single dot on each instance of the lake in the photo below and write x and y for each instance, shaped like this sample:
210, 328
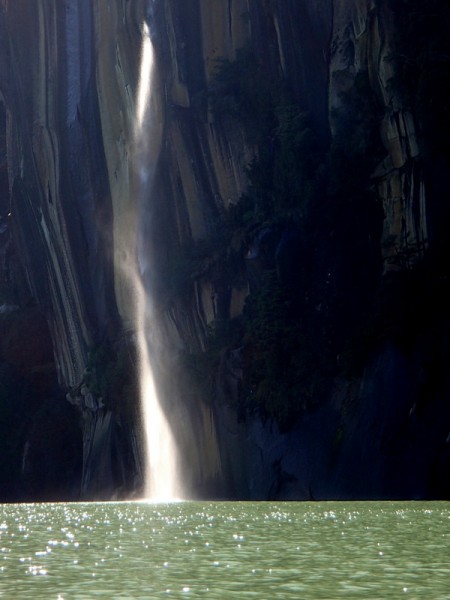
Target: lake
220, 550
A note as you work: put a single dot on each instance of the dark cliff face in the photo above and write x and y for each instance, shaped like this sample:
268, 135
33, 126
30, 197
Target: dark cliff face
293, 241
59, 220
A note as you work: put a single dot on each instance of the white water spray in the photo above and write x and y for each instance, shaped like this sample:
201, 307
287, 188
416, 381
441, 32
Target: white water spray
161, 464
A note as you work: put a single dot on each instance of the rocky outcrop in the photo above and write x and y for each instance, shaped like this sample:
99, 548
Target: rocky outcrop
59, 199
86, 195
364, 41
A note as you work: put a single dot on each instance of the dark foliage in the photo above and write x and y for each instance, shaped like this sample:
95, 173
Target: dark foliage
291, 236
306, 234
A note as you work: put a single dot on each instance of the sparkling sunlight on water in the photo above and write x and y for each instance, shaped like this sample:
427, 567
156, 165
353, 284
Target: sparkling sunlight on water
225, 550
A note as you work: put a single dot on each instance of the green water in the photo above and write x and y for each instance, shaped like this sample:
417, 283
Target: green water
225, 550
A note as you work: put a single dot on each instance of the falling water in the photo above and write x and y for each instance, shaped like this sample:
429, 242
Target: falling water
161, 473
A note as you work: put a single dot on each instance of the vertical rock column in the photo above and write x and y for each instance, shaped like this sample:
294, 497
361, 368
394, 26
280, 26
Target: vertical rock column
363, 42
61, 207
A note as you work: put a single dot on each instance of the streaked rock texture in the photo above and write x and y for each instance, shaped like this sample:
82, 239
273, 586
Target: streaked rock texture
364, 40
74, 214
60, 202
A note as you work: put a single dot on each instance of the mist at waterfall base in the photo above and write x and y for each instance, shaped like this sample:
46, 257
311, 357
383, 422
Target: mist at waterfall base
223, 550
161, 474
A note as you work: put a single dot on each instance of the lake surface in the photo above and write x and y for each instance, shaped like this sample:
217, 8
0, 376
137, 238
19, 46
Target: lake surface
220, 550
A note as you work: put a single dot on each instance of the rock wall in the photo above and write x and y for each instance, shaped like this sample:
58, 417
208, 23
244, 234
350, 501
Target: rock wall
59, 197
364, 41
69, 99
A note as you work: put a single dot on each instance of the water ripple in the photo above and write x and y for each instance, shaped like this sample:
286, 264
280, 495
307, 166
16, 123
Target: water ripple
225, 550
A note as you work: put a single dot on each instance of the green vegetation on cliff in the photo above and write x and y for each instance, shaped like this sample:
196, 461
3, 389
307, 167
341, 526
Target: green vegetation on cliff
304, 238
292, 236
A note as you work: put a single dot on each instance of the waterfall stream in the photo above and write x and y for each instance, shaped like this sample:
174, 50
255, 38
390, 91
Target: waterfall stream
161, 471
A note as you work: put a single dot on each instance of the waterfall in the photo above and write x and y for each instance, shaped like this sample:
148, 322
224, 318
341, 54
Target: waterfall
161, 465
